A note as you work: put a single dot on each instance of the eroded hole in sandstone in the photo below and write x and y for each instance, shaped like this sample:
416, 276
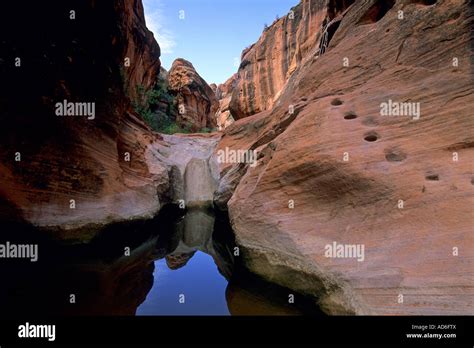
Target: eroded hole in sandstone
425, 2
454, 17
376, 12
336, 102
371, 137
329, 30
472, 181
332, 28
350, 116
432, 177
336, 7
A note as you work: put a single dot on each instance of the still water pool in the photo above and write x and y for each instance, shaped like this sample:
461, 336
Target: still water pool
176, 265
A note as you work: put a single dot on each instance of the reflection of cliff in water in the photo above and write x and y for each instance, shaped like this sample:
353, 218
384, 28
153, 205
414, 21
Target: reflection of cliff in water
195, 231
105, 280
97, 286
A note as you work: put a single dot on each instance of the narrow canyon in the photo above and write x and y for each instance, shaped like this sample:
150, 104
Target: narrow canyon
306, 99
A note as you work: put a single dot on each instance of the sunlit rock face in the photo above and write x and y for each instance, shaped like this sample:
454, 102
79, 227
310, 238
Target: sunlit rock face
223, 92
338, 162
268, 64
66, 172
195, 99
223, 116
225, 89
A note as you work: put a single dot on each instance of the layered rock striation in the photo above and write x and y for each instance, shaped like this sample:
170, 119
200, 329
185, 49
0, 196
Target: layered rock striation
267, 65
141, 63
223, 92
368, 147
84, 164
195, 99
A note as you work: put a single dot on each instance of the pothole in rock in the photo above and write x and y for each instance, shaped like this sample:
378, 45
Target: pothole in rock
424, 2
336, 102
350, 116
371, 137
432, 177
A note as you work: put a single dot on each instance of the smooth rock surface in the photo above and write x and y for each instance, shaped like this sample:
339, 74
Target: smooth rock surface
193, 171
409, 250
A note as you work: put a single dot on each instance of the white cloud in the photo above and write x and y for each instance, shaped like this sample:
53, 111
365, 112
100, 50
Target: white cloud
155, 21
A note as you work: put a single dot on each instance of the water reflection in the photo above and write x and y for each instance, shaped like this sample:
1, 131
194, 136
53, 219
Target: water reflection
170, 256
188, 280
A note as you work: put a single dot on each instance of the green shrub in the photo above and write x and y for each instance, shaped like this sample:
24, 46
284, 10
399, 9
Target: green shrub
148, 100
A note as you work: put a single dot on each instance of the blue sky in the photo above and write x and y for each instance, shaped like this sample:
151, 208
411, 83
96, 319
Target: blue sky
213, 33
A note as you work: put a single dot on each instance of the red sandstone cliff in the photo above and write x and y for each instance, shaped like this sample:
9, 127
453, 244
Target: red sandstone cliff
223, 92
140, 47
225, 89
67, 172
333, 168
267, 65
195, 99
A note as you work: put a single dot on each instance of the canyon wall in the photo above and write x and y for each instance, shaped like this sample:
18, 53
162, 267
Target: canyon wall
141, 63
72, 174
196, 101
334, 167
267, 65
223, 92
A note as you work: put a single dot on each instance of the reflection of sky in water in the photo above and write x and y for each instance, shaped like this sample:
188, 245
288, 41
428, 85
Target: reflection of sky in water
200, 282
